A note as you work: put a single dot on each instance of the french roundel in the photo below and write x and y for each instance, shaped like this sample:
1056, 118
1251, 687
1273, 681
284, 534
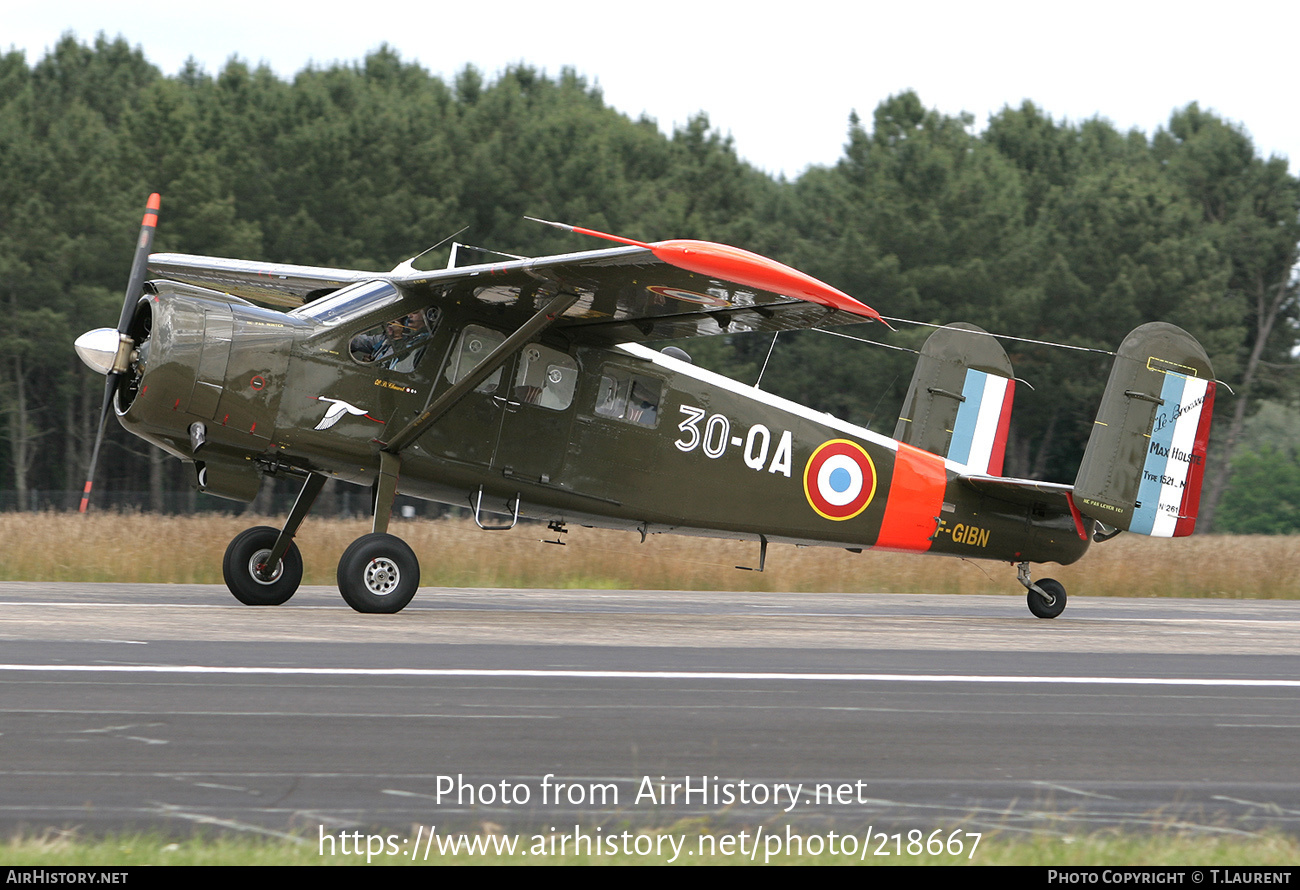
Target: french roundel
840, 479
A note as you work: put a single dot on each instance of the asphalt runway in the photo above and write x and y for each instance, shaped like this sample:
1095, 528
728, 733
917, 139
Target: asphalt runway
172, 707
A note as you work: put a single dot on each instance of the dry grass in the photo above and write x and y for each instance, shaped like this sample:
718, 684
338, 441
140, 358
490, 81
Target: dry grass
453, 553
1046, 848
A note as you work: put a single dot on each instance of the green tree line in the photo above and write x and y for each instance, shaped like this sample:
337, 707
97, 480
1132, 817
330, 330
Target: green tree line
1043, 229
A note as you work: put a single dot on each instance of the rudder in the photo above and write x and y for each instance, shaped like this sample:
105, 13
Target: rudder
959, 402
1145, 461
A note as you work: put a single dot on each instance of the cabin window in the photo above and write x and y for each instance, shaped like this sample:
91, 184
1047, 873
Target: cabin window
399, 344
630, 397
476, 343
546, 377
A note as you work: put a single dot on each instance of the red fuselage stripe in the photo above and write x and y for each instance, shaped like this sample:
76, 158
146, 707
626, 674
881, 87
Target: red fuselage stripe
915, 500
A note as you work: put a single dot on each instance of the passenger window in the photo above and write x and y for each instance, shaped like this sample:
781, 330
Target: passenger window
475, 344
397, 345
546, 378
630, 397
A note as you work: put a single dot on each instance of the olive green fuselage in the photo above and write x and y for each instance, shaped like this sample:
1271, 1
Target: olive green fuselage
623, 436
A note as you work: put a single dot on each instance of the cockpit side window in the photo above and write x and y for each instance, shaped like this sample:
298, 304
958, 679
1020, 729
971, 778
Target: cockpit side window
399, 344
350, 302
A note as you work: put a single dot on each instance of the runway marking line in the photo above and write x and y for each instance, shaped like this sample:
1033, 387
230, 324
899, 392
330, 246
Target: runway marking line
645, 675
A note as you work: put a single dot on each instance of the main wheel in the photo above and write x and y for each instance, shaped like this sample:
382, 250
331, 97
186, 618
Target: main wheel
1041, 607
378, 573
246, 553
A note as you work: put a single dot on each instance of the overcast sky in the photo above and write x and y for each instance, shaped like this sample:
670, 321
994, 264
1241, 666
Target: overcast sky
781, 79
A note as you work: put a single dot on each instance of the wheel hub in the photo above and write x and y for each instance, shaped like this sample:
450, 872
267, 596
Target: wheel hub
382, 576
260, 571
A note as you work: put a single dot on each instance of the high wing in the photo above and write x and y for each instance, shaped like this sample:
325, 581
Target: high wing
624, 294
277, 285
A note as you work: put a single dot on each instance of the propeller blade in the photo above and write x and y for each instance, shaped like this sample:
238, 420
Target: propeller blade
140, 262
99, 437
139, 266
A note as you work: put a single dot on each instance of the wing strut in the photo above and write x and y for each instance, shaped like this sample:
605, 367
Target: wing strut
390, 454
544, 318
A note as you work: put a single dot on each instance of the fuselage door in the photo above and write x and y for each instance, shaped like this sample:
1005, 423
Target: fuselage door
400, 358
535, 427
468, 432
517, 420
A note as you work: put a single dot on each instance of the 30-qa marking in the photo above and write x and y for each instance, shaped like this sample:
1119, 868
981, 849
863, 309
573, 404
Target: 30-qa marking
713, 437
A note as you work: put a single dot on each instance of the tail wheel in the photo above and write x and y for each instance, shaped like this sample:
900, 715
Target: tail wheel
250, 579
378, 574
1051, 606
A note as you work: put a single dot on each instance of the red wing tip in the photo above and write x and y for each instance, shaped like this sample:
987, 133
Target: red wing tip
857, 307
745, 267
719, 259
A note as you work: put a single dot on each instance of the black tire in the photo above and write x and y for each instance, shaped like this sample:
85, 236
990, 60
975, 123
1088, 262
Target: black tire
1041, 607
378, 574
242, 557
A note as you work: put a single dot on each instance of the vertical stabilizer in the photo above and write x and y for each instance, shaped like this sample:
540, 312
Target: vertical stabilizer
959, 402
1145, 460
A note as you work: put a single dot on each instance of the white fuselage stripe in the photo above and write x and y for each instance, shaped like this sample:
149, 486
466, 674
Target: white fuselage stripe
688, 370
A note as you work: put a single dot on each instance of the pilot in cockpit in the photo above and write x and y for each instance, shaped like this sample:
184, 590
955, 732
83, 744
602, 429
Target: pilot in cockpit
398, 344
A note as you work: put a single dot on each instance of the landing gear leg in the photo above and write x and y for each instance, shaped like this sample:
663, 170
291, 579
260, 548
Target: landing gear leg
379, 572
385, 490
301, 507
1046, 598
263, 567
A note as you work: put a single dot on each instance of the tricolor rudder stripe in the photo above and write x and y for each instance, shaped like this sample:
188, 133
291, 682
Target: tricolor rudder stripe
1169, 492
839, 480
1191, 502
979, 434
